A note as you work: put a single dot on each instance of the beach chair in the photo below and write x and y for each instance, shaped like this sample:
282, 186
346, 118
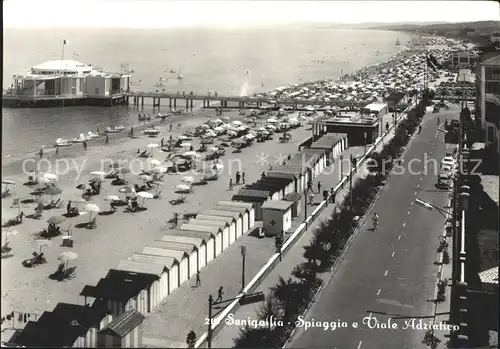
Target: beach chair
157, 195
92, 224
69, 273
5, 193
6, 249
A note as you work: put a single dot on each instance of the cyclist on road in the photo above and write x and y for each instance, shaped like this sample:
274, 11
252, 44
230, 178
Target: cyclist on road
375, 220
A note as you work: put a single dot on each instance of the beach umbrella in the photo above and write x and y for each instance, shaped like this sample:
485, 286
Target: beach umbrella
183, 138
152, 145
272, 120
42, 243
145, 195
145, 178
187, 179
189, 154
127, 190
50, 176
226, 118
160, 169
186, 145
52, 191
218, 167
8, 233
112, 198
6, 181
92, 208
237, 123
56, 220
98, 173
219, 129
183, 187
214, 149
95, 180
154, 162
43, 180
67, 256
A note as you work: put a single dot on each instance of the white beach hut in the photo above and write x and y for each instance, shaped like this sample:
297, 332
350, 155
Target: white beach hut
237, 216
244, 212
216, 231
188, 248
159, 290
199, 243
250, 207
231, 221
209, 239
170, 263
224, 225
181, 258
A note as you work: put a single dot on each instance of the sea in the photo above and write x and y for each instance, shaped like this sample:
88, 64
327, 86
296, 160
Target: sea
230, 61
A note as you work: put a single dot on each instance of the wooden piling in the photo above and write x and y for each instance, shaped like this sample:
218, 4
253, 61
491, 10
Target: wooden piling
142, 102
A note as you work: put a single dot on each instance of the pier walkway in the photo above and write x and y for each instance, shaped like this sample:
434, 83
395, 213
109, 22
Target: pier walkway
228, 101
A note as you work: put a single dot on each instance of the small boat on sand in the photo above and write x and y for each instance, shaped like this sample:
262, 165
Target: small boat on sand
61, 142
115, 129
91, 135
152, 132
80, 139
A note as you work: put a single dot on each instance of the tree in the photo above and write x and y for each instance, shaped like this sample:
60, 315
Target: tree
191, 339
250, 337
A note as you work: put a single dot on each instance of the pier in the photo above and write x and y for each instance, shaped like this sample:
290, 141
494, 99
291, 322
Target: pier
186, 100
47, 101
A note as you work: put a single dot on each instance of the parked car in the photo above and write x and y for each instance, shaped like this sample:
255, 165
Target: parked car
448, 160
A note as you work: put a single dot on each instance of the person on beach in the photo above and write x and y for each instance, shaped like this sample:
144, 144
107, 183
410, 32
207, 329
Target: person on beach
57, 151
230, 184
319, 187
131, 131
238, 177
68, 207
41, 152
84, 145
309, 186
386, 126
332, 196
198, 281
170, 129
107, 140
162, 141
263, 174
176, 219
220, 293
243, 177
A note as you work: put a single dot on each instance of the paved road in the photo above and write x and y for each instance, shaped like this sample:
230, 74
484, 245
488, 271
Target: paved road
392, 269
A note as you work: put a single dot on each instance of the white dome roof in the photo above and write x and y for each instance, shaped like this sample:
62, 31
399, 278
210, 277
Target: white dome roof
61, 66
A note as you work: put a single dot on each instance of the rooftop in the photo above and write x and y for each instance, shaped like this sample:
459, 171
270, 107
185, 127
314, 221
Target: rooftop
280, 205
495, 61
124, 323
347, 118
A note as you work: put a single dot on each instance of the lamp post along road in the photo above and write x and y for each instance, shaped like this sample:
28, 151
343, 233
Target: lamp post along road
366, 140
243, 255
341, 169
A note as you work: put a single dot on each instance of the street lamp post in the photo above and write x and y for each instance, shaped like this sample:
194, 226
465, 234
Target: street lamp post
243, 255
341, 170
366, 137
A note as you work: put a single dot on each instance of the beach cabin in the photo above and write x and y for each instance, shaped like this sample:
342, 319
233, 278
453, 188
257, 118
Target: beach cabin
255, 197
217, 232
333, 143
149, 282
160, 288
170, 263
121, 293
360, 128
123, 332
247, 209
277, 216
287, 185
277, 187
199, 244
296, 200
225, 226
189, 249
299, 171
234, 234
236, 216
68, 325
376, 109
295, 179
181, 257
209, 239
318, 159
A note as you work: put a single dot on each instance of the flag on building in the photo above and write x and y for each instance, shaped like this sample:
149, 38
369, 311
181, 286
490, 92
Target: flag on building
65, 42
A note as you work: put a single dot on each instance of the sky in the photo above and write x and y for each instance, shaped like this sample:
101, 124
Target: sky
234, 13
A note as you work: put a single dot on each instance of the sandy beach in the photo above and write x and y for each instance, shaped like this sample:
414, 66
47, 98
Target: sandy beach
119, 235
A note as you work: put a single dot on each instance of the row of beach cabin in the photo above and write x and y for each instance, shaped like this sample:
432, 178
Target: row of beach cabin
140, 283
